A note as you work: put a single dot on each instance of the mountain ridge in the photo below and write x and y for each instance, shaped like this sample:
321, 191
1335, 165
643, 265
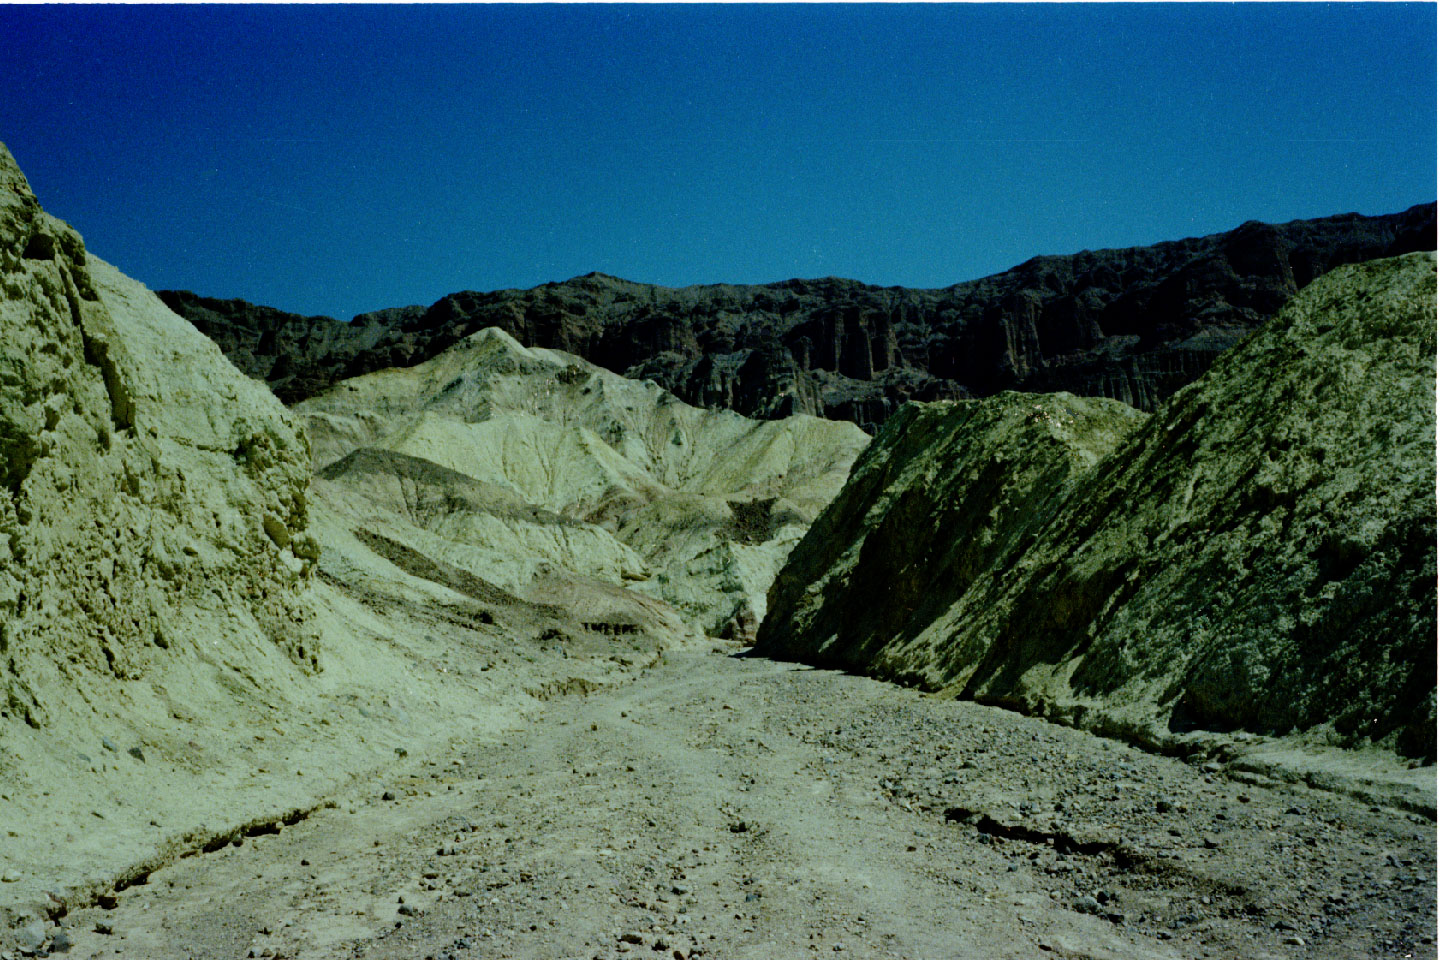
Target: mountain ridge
1132, 323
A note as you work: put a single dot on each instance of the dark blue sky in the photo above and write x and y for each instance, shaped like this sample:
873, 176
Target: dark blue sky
340, 159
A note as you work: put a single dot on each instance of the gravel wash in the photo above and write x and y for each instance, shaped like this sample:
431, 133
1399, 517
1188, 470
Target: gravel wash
730, 808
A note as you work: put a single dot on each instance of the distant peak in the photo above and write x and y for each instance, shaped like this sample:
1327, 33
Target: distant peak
596, 275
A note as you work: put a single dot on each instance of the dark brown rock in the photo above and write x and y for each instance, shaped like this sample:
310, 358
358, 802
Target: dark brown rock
1132, 324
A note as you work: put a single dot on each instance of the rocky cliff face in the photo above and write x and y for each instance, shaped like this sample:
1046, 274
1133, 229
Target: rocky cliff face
1259, 554
153, 499
1132, 324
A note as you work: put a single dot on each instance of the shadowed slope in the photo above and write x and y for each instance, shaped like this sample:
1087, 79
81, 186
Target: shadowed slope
1259, 554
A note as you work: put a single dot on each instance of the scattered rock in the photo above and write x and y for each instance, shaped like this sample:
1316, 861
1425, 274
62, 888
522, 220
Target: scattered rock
31, 936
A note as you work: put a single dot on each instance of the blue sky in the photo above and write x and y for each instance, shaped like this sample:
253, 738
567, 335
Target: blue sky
339, 159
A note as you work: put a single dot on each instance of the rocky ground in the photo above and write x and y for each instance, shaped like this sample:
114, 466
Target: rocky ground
723, 807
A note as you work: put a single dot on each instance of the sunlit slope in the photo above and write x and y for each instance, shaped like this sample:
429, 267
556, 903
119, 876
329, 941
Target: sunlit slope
154, 511
1257, 555
568, 470
190, 643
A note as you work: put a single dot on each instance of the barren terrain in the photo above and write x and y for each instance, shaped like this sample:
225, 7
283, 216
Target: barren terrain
728, 807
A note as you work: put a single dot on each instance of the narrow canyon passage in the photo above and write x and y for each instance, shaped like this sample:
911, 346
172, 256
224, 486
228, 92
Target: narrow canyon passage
725, 807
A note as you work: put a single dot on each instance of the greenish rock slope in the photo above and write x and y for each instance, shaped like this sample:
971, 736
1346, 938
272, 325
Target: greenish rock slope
1258, 555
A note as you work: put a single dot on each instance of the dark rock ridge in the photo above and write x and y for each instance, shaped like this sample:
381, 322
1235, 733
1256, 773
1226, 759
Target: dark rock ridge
1132, 324
1258, 554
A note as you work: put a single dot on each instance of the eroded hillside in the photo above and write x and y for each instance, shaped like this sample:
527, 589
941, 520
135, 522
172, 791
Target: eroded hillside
182, 661
1258, 555
553, 478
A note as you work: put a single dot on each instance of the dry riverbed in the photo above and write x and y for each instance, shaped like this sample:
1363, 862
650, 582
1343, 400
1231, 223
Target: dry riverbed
720, 807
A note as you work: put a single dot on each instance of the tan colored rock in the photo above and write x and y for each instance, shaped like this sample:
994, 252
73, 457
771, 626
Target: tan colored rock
1259, 555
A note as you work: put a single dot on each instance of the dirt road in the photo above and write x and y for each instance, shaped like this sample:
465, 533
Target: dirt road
724, 807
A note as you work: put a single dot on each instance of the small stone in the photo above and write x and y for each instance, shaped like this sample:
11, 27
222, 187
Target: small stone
104, 929
1087, 904
137, 753
60, 943
631, 938
1210, 843
109, 745
31, 936
1294, 941
1163, 806
388, 795
107, 901
406, 910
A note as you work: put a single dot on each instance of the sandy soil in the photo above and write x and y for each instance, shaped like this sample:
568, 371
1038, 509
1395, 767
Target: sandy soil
725, 807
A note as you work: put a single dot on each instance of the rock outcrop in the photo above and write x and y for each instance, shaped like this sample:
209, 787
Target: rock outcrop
1257, 555
561, 483
154, 499
1131, 324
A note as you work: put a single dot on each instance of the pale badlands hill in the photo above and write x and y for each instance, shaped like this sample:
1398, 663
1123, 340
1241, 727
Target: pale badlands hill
554, 479
197, 642
1258, 555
